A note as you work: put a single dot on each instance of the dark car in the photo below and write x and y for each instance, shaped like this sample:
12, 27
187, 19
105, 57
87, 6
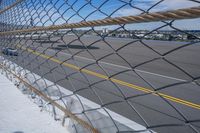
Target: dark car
10, 51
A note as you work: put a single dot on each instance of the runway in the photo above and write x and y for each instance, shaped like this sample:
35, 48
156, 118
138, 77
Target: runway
146, 81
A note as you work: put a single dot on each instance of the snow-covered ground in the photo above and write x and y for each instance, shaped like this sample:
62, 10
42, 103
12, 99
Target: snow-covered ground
20, 115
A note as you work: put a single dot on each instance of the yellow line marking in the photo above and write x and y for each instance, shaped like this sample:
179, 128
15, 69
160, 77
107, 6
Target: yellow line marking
120, 82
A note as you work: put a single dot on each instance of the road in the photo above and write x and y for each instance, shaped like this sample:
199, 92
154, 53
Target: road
121, 81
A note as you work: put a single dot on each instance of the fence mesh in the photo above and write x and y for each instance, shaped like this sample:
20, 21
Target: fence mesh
119, 78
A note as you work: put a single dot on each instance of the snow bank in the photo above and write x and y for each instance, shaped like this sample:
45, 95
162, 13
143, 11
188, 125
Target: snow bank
20, 115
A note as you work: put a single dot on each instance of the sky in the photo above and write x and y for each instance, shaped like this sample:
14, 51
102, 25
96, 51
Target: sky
54, 12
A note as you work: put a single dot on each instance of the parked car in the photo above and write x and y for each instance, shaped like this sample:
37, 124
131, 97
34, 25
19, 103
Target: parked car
10, 51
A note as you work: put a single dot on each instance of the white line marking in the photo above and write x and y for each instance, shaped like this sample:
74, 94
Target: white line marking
36, 35
161, 75
124, 67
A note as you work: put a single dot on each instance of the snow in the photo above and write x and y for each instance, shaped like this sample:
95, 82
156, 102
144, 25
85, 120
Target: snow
20, 115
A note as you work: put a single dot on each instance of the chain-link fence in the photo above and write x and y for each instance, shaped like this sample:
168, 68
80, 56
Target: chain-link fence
107, 65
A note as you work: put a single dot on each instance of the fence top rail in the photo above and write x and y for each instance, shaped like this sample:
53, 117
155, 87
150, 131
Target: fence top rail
187, 13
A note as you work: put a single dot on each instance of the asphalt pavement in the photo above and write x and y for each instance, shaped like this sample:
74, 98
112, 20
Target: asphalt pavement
112, 73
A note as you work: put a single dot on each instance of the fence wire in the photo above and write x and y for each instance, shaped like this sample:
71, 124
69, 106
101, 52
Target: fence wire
119, 77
